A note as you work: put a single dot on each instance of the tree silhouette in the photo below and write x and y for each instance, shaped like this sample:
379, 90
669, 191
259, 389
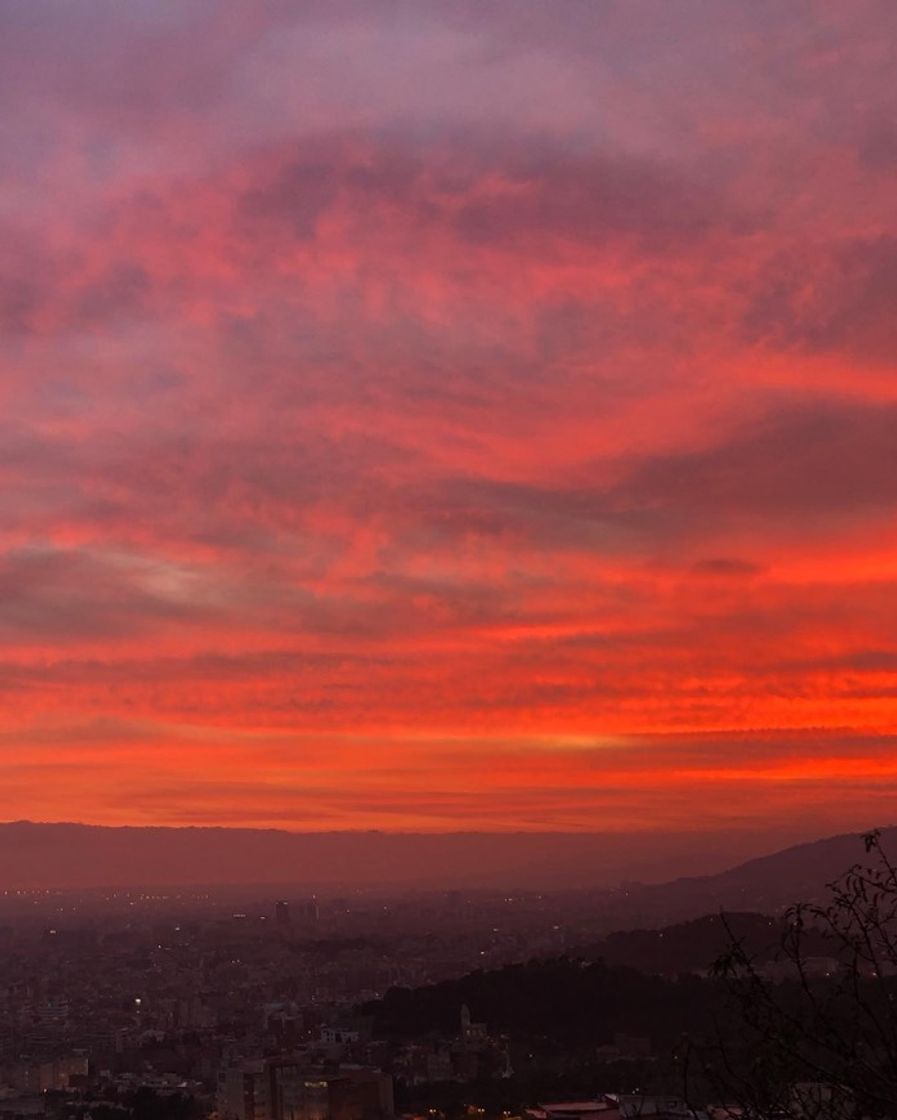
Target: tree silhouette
806, 1039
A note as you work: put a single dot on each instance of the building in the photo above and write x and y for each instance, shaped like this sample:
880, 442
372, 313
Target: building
290, 1089
658, 1108
245, 1092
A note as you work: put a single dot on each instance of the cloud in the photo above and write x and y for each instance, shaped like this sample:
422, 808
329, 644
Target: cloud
839, 298
818, 459
447, 374
726, 566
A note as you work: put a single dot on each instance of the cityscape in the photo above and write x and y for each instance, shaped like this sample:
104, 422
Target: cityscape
184, 1003
448, 560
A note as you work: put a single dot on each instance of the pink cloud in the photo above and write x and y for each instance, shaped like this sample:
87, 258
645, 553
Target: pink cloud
446, 377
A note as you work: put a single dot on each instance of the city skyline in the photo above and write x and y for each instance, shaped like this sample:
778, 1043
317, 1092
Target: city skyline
449, 417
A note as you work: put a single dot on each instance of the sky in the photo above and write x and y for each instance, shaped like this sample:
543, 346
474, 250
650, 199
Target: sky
449, 414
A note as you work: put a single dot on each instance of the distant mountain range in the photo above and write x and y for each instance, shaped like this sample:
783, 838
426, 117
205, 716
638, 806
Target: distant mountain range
766, 885
75, 855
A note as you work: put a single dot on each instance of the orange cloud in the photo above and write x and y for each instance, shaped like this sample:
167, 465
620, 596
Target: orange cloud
414, 420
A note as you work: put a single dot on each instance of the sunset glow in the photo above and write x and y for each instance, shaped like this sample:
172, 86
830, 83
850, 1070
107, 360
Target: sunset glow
449, 415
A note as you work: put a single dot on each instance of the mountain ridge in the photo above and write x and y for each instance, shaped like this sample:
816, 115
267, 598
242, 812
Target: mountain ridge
768, 883
65, 854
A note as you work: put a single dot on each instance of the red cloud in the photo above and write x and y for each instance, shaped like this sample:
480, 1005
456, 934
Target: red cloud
492, 429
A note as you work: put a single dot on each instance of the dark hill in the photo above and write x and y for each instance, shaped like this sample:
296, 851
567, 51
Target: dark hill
767, 885
570, 1003
692, 946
